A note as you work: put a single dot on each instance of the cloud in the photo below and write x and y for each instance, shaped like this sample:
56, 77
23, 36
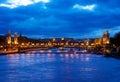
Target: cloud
60, 18
17, 3
114, 30
99, 32
86, 7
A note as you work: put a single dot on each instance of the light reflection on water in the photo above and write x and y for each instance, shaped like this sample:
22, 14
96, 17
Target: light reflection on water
49, 67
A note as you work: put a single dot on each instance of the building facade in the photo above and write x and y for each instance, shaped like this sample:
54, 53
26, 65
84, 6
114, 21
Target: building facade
9, 38
104, 40
15, 38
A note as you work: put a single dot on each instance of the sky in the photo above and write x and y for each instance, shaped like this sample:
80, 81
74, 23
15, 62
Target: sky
60, 18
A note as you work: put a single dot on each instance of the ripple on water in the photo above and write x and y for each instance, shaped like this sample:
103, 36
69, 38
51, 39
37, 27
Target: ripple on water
40, 67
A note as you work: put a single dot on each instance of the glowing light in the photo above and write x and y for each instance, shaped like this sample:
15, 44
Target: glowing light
15, 38
1, 46
92, 44
82, 44
53, 39
67, 44
62, 39
87, 7
33, 44
107, 42
23, 44
15, 42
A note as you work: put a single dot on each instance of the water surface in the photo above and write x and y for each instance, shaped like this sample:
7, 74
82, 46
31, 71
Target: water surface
51, 67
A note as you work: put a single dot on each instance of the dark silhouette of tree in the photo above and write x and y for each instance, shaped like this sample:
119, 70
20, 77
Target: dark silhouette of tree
117, 39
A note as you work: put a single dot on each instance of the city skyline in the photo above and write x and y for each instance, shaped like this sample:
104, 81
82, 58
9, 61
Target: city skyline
60, 18
17, 34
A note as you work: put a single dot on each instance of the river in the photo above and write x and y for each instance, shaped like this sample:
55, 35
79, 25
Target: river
50, 67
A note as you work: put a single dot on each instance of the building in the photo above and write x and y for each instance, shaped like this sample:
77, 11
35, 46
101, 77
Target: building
15, 38
9, 38
104, 40
12, 40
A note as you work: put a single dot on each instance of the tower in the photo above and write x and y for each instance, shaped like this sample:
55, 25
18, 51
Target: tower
106, 37
15, 38
9, 39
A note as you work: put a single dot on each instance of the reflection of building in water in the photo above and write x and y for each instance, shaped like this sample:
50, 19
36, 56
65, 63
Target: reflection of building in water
15, 38
9, 39
105, 39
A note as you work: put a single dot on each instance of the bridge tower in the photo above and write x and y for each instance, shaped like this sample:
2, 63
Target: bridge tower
106, 37
9, 39
15, 38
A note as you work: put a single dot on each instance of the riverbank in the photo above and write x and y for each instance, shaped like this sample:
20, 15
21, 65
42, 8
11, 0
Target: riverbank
10, 52
57, 51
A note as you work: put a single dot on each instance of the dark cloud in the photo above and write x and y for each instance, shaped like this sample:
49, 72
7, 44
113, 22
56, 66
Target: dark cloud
59, 19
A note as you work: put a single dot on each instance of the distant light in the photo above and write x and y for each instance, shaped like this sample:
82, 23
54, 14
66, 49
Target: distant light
62, 39
53, 39
92, 44
82, 44
23, 44
1, 46
107, 42
86, 7
33, 44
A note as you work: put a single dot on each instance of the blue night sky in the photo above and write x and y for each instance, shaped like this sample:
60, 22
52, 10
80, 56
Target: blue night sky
60, 18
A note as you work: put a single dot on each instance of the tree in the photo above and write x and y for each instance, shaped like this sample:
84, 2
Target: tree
117, 39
